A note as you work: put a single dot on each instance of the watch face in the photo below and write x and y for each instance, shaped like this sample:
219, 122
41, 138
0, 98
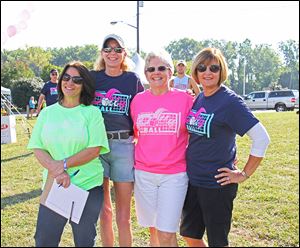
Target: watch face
65, 165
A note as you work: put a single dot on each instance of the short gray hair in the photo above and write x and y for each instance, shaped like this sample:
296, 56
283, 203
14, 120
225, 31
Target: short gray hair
161, 54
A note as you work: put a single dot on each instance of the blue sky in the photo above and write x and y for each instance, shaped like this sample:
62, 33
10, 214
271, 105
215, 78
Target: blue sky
63, 24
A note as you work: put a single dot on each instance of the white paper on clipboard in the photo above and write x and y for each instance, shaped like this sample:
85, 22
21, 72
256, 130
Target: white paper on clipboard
62, 199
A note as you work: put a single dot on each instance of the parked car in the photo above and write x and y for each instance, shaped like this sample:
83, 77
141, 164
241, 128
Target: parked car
296, 93
280, 100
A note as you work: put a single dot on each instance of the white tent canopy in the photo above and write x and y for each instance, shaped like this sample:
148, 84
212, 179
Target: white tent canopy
139, 67
5, 91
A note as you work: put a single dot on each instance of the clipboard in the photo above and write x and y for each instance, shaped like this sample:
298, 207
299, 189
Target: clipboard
68, 202
46, 190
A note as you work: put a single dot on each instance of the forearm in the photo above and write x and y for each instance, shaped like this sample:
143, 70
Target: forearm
194, 87
260, 141
83, 156
44, 158
252, 164
40, 101
54, 167
171, 83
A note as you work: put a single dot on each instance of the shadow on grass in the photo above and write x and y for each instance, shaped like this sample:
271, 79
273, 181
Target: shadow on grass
11, 200
16, 157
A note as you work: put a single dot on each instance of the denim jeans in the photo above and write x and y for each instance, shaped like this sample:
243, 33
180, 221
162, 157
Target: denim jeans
50, 225
118, 163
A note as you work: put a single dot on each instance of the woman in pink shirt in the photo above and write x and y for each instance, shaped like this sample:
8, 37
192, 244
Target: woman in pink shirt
161, 182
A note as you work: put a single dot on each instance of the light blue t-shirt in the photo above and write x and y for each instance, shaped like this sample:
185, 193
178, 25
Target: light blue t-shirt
181, 83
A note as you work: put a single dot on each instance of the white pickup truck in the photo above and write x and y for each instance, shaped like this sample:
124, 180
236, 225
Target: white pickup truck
280, 100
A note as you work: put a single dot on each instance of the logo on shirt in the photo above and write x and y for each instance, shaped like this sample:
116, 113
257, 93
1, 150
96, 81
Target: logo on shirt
160, 122
112, 102
53, 91
199, 122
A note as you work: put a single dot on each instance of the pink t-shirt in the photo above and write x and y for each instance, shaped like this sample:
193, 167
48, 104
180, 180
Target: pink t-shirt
159, 125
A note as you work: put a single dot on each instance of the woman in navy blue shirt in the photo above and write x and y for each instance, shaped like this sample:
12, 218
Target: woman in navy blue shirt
218, 114
116, 86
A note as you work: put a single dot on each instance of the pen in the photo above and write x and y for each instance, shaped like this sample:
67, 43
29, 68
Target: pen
72, 175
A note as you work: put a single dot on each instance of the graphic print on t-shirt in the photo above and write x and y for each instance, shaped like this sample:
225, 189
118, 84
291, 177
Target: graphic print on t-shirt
112, 102
198, 122
53, 91
161, 122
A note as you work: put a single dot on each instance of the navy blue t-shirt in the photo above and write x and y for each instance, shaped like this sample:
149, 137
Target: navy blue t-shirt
50, 91
213, 124
113, 97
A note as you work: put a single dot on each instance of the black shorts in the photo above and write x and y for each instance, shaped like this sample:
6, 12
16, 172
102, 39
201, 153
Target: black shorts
210, 210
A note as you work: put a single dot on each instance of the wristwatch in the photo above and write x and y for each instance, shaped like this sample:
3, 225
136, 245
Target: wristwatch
65, 164
245, 174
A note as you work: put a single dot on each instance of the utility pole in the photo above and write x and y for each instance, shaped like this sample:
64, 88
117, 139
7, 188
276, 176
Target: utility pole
138, 28
244, 84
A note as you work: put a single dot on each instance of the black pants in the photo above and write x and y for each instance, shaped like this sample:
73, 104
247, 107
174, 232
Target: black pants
50, 225
210, 210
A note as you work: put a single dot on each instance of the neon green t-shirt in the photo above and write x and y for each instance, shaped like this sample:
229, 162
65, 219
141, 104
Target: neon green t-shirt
63, 132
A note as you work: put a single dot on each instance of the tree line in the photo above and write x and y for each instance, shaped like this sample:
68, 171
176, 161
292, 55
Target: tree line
24, 71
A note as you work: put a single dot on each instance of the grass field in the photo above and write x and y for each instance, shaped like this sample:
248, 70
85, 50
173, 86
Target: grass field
266, 210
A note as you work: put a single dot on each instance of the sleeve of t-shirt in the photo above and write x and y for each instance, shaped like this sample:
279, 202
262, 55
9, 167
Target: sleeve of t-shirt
240, 118
35, 141
97, 132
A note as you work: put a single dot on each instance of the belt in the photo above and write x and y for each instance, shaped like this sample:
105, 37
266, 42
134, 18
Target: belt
119, 135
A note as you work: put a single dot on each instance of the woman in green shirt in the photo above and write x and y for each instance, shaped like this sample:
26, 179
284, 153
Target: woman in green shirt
67, 140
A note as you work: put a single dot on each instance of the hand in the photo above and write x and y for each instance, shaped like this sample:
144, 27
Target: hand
63, 179
235, 162
190, 92
56, 168
228, 176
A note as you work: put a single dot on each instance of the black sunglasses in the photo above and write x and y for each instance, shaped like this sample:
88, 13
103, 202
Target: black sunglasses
75, 79
212, 68
54, 74
109, 49
160, 68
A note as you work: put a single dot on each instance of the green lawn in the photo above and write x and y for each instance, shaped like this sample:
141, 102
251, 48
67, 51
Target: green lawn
266, 211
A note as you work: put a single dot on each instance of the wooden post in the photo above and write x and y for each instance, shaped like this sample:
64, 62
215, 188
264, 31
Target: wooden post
27, 111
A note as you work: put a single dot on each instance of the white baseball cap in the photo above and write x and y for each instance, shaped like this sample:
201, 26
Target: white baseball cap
114, 37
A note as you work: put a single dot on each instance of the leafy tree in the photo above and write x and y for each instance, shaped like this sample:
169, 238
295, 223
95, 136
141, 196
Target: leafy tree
62, 56
13, 70
290, 51
266, 67
38, 58
22, 89
183, 49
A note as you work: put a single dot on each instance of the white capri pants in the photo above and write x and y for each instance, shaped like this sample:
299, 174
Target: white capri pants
159, 199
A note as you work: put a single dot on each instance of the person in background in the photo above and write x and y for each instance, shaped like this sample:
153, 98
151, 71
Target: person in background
160, 166
67, 139
31, 104
115, 89
183, 81
48, 92
217, 116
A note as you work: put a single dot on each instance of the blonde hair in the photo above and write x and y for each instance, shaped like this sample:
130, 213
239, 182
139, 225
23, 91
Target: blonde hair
99, 64
207, 55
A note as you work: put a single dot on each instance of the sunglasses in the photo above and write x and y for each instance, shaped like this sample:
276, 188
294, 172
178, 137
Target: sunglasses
212, 68
109, 49
160, 68
75, 79
54, 74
